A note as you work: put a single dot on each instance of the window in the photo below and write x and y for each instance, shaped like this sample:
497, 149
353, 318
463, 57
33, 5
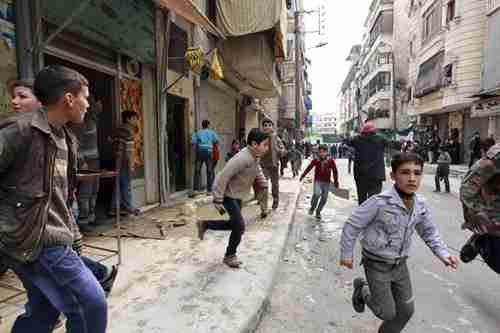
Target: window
450, 11
412, 49
432, 22
409, 94
448, 75
177, 50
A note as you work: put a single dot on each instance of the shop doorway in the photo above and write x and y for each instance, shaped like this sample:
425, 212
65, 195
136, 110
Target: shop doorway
176, 131
102, 89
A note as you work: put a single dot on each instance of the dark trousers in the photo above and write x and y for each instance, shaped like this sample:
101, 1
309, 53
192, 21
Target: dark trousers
87, 195
126, 200
367, 188
236, 224
389, 294
474, 157
446, 180
203, 157
59, 282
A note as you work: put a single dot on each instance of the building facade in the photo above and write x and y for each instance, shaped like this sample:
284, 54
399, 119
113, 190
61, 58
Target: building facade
375, 87
325, 124
446, 44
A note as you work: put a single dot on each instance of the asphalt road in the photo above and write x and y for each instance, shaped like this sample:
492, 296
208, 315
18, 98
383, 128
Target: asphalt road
312, 293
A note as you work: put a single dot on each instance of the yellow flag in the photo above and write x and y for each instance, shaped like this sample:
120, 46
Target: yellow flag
216, 68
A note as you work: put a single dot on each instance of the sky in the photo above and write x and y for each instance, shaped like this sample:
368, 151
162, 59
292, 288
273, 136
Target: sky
344, 28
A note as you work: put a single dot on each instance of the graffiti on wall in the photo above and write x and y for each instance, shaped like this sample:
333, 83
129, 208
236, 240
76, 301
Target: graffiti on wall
131, 100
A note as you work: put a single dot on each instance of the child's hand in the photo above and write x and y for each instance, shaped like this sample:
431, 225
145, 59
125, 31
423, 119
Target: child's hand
451, 261
346, 263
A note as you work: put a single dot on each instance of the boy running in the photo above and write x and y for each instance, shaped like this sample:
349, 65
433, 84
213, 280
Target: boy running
388, 222
324, 167
231, 186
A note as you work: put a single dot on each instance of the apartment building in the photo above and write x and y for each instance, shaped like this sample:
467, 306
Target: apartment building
445, 50
325, 124
375, 88
487, 106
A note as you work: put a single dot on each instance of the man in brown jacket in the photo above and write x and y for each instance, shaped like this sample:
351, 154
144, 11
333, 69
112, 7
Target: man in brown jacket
270, 161
232, 185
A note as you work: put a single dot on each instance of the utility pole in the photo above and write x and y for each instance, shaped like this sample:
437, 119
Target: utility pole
297, 71
394, 104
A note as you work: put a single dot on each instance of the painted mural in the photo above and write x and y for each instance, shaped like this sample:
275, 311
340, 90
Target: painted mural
7, 54
131, 99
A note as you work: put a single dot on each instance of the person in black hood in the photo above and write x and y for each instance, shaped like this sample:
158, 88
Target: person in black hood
369, 167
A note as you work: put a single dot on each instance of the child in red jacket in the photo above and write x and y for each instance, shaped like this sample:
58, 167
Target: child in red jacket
324, 167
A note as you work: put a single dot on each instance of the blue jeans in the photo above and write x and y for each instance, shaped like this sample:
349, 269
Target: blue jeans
59, 282
203, 157
236, 224
125, 192
321, 190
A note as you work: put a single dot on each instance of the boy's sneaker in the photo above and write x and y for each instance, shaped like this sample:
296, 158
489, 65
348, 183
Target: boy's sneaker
202, 228
358, 301
469, 251
311, 211
232, 261
109, 281
318, 216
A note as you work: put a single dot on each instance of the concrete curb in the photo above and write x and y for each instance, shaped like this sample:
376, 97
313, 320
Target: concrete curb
256, 317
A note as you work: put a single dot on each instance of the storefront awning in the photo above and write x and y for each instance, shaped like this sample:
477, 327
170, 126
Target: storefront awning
249, 65
189, 11
430, 75
245, 17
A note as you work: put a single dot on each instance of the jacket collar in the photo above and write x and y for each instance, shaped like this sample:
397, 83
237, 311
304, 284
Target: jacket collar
40, 121
393, 198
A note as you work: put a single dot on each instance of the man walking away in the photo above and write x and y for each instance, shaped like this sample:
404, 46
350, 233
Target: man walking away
123, 146
295, 157
324, 167
37, 229
233, 185
203, 142
369, 167
443, 170
333, 151
270, 161
475, 149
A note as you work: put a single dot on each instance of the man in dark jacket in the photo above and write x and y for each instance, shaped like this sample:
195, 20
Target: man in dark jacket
369, 167
37, 228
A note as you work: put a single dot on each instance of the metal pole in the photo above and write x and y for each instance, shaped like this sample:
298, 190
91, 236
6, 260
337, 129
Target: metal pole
297, 72
394, 108
24, 39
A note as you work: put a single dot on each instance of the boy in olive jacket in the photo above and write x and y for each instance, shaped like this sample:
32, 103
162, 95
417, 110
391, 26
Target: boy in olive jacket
231, 186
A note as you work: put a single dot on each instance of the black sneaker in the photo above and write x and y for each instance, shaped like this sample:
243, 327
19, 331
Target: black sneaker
275, 204
311, 211
109, 281
358, 302
469, 251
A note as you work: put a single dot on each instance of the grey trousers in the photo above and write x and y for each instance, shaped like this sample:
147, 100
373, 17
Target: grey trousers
273, 174
321, 190
389, 294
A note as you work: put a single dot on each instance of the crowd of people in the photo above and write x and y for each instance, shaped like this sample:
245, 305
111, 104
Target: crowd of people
40, 236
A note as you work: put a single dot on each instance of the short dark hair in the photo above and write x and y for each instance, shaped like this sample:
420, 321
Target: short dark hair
127, 115
401, 158
52, 82
323, 147
267, 121
26, 83
205, 123
257, 136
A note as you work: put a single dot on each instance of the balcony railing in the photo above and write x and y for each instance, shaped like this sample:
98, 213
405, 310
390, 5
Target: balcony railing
492, 5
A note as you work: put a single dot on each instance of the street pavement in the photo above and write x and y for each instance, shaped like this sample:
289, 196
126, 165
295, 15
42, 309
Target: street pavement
313, 294
180, 284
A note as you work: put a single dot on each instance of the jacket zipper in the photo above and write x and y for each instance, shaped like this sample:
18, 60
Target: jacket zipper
404, 236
